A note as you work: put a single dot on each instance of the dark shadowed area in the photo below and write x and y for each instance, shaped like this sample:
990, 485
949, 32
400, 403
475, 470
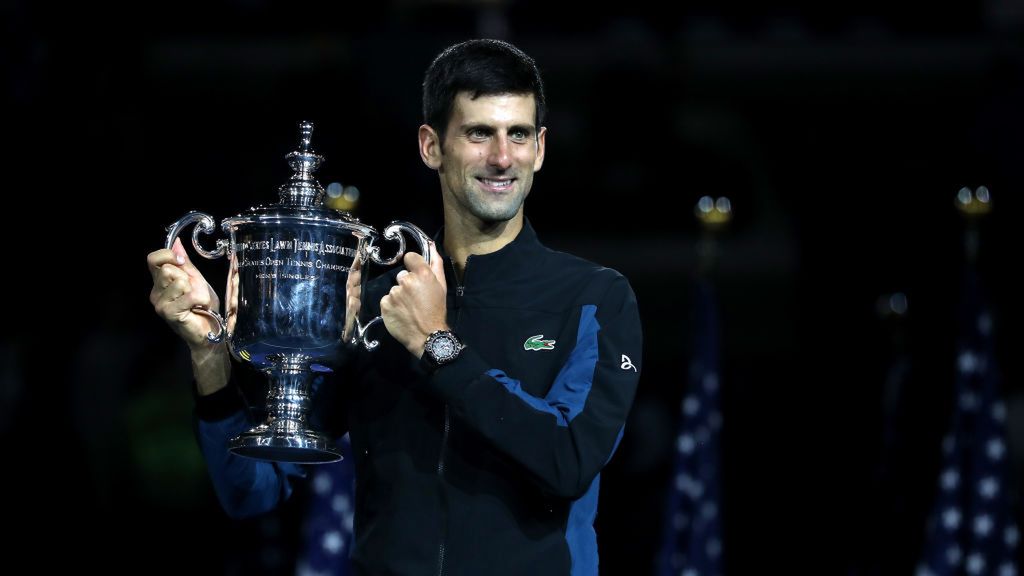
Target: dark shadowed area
840, 133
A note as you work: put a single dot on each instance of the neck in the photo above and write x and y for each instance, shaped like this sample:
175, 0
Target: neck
464, 236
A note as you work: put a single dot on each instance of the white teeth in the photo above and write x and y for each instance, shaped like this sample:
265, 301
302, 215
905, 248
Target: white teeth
497, 183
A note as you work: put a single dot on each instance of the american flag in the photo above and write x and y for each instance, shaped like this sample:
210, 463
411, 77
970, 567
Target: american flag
971, 529
692, 537
327, 525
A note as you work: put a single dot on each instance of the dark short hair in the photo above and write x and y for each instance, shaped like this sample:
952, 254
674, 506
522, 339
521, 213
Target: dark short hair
483, 68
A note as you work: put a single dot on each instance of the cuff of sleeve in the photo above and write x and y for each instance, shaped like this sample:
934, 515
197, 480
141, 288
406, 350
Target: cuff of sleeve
219, 405
450, 380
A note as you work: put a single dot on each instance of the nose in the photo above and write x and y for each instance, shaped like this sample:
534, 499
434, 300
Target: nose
498, 155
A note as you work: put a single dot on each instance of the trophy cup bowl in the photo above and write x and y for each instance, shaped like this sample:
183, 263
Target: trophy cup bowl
293, 267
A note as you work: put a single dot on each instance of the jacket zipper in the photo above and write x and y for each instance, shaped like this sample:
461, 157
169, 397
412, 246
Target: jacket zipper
444, 501
459, 292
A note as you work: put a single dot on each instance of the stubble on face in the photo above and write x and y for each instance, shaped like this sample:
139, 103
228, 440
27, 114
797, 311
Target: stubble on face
492, 148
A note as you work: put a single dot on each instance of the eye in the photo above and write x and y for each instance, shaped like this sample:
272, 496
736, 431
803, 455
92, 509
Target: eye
519, 135
477, 134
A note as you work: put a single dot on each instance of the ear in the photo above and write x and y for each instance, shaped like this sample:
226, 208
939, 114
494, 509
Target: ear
541, 137
430, 147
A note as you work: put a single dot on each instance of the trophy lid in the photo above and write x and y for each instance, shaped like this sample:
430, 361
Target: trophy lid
302, 189
302, 196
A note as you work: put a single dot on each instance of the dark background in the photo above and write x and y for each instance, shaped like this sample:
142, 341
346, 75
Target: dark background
841, 133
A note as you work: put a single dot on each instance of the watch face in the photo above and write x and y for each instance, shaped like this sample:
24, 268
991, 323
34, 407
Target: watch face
444, 347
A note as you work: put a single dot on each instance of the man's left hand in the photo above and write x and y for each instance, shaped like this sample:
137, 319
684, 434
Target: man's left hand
416, 307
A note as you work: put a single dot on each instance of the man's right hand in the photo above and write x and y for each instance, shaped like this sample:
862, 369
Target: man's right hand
177, 288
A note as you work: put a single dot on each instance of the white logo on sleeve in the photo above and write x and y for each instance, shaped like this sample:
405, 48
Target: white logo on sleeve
627, 364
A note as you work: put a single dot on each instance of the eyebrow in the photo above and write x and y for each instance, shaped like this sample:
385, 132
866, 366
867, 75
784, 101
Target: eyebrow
528, 128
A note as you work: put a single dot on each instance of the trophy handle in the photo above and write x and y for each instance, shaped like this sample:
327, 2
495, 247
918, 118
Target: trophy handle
204, 225
360, 335
392, 232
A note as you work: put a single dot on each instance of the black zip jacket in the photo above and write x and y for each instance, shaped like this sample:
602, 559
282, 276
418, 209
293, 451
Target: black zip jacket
491, 465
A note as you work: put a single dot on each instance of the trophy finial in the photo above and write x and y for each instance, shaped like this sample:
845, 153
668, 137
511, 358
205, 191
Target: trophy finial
305, 135
302, 189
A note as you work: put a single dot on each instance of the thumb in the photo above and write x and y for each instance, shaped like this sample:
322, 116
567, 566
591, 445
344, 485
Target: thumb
184, 261
179, 251
437, 265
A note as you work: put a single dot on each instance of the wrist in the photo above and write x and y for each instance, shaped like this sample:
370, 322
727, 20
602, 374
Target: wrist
419, 343
211, 367
440, 348
208, 355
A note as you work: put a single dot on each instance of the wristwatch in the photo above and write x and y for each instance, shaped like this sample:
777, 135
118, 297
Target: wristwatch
442, 347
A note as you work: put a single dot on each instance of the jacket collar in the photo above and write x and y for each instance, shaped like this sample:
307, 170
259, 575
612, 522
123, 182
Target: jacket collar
509, 259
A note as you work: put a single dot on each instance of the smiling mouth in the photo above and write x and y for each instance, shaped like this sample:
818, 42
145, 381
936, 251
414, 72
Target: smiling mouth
495, 184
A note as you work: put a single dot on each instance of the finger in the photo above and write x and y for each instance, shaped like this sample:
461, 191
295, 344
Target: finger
172, 300
184, 261
355, 277
168, 274
401, 274
176, 290
161, 296
179, 250
154, 296
354, 303
414, 262
437, 265
158, 258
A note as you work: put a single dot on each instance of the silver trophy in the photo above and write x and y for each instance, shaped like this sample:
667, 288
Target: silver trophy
292, 304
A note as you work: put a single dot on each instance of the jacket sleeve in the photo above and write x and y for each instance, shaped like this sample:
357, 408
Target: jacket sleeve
565, 438
247, 486
244, 486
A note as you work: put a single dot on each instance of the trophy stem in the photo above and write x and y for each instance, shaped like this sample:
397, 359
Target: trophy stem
284, 436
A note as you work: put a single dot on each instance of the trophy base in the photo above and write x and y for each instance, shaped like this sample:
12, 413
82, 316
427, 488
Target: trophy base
300, 447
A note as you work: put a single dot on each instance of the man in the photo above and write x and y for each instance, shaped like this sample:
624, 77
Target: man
479, 427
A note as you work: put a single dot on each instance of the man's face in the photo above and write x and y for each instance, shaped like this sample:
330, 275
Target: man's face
491, 150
